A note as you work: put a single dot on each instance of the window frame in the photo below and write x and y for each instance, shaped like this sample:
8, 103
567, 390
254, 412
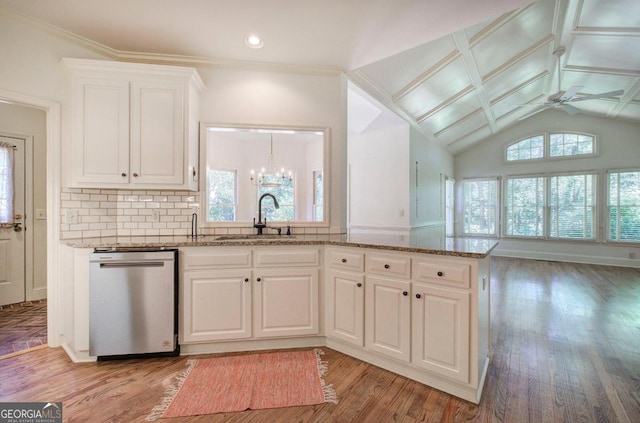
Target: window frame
497, 201
235, 195
607, 206
544, 149
547, 207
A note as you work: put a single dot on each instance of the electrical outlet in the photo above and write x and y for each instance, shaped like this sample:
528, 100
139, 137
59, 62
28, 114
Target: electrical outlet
72, 216
632, 256
155, 215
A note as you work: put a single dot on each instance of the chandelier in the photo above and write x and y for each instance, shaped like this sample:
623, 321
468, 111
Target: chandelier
270, 176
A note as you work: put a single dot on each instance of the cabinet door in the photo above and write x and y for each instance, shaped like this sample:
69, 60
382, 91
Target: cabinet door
345, 306
157, 133
216, 305
441, 331
285, 302
100, 132
388, 317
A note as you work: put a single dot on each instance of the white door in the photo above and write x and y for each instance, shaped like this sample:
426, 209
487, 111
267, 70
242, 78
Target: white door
388, 317
441, 331
285, 302
216, 305
12, 242
345, 306
157, 133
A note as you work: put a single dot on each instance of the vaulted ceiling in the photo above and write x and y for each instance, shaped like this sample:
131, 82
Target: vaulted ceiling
462, 88
457, 70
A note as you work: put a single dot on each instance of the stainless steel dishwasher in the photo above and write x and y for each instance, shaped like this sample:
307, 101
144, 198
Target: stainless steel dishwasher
133, 308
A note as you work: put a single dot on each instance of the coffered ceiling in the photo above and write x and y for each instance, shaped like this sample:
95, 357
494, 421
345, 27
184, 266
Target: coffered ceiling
457, 70
462, 88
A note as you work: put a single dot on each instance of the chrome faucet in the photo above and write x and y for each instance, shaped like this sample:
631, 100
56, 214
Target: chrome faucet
260, 225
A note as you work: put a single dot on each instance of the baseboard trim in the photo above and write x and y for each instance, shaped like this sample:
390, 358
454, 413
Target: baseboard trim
563, 257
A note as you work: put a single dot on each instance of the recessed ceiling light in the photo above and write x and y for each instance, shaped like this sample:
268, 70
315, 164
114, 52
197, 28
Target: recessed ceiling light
253, 41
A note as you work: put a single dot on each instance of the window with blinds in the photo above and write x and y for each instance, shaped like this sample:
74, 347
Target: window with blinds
480, 207
551, 207
624, 206
524, 207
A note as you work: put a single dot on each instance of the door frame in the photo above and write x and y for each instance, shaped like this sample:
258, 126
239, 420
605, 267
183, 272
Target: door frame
53, 142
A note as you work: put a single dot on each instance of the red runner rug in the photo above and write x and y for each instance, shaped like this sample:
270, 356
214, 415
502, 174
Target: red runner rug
242, 382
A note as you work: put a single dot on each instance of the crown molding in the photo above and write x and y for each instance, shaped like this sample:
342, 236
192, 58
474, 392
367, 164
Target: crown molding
168, 59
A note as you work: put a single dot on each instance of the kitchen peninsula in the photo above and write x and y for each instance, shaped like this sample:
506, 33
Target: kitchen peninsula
417, 306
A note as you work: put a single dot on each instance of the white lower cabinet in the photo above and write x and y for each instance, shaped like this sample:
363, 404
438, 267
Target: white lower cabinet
440, 341
285, 302
217, 305
225, 297
423, 316
388, 317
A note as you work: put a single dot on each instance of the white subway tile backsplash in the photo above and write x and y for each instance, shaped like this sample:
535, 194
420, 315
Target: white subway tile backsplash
129, 213
125, 213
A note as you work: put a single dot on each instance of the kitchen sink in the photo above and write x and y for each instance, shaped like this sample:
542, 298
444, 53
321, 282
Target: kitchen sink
251, 237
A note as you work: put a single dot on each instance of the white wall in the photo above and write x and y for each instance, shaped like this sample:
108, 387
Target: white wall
619, 147
386, 192
379, 179
30, 122
427, 196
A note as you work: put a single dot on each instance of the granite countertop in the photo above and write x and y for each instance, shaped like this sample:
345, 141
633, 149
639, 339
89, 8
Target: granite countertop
455, 247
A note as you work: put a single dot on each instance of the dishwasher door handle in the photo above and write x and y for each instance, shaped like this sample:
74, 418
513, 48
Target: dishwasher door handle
114, 265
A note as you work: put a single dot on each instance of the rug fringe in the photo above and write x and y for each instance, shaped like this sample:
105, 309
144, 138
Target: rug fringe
170, 393
323, 367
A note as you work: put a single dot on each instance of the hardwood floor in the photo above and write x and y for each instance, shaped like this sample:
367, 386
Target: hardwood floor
565, 341
23, 326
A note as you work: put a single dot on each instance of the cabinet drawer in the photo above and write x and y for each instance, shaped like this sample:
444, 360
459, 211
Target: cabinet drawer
442, 273
288, 257
346, 260
388, 265
219, 259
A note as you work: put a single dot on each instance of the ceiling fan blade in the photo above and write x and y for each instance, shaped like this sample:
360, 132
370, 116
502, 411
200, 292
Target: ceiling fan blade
569, 109
601, 95
570, 92
528, 115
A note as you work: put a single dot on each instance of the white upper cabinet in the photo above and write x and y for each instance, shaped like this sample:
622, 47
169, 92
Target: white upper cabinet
133, 125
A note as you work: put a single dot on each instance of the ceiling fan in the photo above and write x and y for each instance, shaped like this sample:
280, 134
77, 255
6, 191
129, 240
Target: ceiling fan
560, 99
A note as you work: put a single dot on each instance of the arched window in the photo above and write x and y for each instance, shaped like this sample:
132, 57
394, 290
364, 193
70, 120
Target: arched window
551, 146
568, 144
527, 149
